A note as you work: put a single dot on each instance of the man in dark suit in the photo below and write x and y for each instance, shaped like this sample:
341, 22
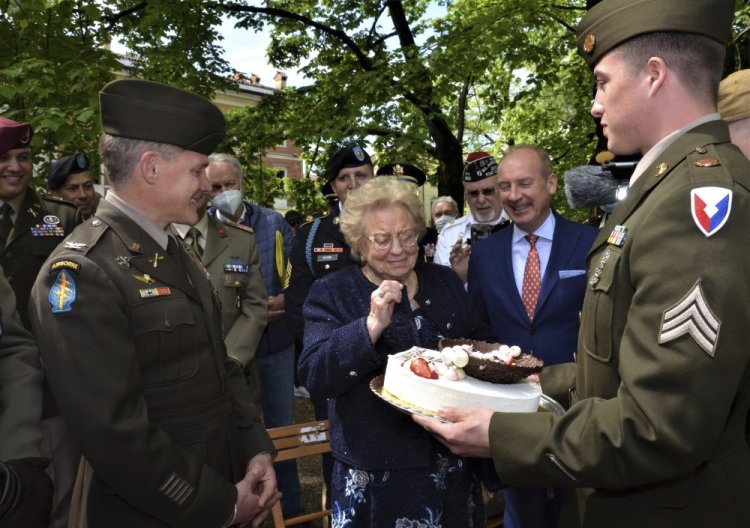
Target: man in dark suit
532, 297
130, 332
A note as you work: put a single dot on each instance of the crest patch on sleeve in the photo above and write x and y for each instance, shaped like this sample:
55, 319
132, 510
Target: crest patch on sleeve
63, 292
691, 315
710, 207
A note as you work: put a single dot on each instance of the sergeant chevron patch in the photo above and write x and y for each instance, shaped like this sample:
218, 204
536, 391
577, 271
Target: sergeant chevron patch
691, 315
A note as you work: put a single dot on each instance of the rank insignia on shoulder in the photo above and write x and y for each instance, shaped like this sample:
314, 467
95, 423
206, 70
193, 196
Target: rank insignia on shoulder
63, 292
618, 236
244, 228
236, 266
710, 207
77, 246
60, 264
691, 315
147, 293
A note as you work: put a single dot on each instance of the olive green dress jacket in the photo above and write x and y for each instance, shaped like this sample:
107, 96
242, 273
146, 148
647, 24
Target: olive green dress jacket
130, 335
20, 383
655, 433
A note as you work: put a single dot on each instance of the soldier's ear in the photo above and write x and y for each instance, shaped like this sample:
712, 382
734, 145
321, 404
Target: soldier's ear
148, 167
657, 72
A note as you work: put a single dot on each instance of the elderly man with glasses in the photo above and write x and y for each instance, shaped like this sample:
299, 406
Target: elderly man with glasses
485, 217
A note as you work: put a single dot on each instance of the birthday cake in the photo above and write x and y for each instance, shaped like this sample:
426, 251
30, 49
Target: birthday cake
429, 379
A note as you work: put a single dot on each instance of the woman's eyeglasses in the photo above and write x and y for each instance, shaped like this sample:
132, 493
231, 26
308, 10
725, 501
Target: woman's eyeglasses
407, 238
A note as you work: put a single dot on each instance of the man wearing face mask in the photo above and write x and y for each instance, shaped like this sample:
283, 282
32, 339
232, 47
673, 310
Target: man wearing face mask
444, 211
275, 355
485, 217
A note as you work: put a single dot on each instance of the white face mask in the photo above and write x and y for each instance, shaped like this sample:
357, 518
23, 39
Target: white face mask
228, 201
443, 221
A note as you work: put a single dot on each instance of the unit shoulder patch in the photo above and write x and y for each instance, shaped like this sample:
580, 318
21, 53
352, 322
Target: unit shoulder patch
710, 207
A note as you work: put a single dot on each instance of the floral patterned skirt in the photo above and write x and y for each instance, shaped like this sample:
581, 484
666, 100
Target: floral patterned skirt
443, 495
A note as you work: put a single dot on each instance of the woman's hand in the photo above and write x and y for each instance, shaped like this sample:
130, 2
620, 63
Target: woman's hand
382, 301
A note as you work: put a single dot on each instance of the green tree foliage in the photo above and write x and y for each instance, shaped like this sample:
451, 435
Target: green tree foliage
425, 81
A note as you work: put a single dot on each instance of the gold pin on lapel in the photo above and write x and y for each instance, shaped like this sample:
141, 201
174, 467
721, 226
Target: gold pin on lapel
156, 259
707, 162
661, 169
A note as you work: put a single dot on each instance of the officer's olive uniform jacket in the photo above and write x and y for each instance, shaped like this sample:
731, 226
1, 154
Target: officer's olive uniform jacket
136, 361
233, 264
42, 222
20, 383
319, 249
657, 422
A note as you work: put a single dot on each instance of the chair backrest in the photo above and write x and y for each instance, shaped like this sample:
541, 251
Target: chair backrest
296, 441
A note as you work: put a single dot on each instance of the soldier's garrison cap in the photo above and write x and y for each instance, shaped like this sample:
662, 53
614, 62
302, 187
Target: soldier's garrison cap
152, 111
14, 135
61, 168
404, 172
611, 22
734, 96
478, 166
346, 158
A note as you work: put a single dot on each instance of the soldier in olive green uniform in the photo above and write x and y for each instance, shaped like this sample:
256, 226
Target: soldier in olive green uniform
130, 332
655, 432
230, 256
25, 489
32, 225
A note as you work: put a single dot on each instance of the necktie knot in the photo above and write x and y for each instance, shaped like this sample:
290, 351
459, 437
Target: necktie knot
532, 239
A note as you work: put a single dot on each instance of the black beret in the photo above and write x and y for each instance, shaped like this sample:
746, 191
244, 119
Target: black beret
152, 111
61, 168
404, 172
327, 192
611, 22
347, 157
478, 166
14, 134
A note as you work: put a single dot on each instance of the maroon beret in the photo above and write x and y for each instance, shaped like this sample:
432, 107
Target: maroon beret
14, 134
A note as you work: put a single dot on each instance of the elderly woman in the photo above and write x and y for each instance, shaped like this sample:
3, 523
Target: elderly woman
388, 471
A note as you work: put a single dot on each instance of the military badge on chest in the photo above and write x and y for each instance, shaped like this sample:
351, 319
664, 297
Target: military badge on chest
50, 227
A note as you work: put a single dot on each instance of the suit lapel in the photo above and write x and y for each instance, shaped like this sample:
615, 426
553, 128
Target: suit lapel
557, 258
507, 279
216, 241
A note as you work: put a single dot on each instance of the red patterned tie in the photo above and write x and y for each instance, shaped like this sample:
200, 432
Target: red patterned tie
531, 278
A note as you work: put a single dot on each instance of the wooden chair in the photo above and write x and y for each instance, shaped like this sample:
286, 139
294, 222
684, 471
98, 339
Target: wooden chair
296, 441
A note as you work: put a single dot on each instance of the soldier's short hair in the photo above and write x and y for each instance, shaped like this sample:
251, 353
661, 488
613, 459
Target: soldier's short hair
696, 59
120, 155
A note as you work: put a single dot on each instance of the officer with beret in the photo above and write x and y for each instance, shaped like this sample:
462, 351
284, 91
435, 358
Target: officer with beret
130, 333
485, 216
320, 248
25, 489
31, 225
734, 107
69, 178
654, 434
